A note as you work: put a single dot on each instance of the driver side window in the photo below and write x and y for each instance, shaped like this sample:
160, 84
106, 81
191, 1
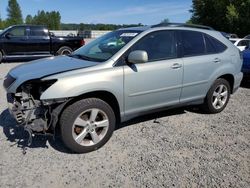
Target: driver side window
18, 32
159, 45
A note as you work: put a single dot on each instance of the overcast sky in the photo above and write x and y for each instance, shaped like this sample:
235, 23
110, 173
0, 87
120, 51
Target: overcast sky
108, 11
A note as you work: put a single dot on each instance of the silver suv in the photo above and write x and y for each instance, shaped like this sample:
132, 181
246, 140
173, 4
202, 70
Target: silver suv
124, 74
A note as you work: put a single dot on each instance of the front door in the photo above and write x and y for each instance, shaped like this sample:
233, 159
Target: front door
158, 82
15, 42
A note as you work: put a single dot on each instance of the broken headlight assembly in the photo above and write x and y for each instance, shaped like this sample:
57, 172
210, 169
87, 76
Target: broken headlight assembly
27, 107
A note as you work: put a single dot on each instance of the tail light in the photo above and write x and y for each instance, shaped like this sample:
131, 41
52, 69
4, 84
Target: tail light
241, 54
82, 42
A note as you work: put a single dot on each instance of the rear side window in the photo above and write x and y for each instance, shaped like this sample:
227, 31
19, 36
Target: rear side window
218, 46
159, 45
38, 31
210, 47
192, 43
197, 43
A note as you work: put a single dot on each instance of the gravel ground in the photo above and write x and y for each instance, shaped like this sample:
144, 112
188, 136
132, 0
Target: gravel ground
183, 148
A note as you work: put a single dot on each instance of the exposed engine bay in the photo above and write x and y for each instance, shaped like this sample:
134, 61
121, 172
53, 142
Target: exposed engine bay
34, 115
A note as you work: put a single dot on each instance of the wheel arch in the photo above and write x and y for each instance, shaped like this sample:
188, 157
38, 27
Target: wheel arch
230, 79
63, 46
1, 54
106, 96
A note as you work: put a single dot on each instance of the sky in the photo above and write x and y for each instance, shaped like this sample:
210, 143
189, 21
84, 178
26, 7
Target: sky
147, 12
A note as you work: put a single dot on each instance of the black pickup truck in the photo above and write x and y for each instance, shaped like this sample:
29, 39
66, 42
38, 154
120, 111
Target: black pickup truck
29, 41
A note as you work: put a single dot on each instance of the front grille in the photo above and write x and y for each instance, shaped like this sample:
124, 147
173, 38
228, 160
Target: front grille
8, 81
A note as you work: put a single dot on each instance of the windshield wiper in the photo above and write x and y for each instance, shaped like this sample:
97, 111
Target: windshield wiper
81, 57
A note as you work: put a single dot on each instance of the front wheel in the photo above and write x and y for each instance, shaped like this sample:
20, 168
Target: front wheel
217, 97
87, 125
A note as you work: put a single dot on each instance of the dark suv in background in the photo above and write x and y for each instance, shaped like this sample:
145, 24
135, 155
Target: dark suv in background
29, 41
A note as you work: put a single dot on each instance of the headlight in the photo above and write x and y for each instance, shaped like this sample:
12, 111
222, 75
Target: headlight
36, 87
8, 81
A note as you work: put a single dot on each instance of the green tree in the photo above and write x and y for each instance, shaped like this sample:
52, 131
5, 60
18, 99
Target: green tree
165, 21
29, 19
232, 17
225, 15
50, 19
14, 13
1, 23
54, 20
41, 18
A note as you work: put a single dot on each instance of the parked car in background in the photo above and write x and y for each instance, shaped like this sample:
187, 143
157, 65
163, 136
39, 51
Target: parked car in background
232, 35
29, 41
121, 75
247, 37
242, 44
229, 35
246, 62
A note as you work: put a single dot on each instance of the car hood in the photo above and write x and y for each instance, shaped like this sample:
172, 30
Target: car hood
45, 67
49, 66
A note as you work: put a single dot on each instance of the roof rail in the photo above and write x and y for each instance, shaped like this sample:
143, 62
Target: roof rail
182, 25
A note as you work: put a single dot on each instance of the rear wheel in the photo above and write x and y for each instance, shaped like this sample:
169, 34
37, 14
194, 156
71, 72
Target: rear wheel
87, 125
65, 50
217, 97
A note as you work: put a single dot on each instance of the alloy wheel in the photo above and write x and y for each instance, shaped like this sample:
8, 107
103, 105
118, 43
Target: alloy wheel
90, 127
220, 96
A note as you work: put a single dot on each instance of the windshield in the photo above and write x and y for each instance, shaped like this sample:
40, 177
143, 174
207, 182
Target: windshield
105, 47
4, 30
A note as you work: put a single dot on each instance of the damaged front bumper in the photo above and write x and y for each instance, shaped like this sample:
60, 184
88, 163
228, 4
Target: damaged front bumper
29, 112
37, 116
15, 108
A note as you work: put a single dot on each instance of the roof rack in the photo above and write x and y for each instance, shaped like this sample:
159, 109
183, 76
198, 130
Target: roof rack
182, 25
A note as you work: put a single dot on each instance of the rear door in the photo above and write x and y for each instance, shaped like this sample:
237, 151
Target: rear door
158, 82
15, 41
202, 57
39, 41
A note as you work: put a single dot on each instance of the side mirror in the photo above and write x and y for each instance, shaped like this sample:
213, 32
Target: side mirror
138, 56
8, 35
51, 34
247, 47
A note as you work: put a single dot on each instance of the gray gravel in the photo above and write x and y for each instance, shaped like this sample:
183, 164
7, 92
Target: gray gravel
183, 148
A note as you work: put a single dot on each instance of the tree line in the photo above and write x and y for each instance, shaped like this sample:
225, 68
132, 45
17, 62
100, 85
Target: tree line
14, 16
83, 26
232, 16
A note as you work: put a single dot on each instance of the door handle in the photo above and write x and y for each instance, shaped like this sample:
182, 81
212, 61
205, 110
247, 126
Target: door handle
216, 60
176, 66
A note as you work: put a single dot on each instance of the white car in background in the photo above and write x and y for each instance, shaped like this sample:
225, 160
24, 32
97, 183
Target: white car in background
240, 43
247, 37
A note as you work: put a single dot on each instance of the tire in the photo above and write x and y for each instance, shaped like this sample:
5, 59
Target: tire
1, 56
217, 97
82, 133
65, 50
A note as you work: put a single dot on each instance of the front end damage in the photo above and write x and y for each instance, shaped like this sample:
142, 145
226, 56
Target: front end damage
35, 115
